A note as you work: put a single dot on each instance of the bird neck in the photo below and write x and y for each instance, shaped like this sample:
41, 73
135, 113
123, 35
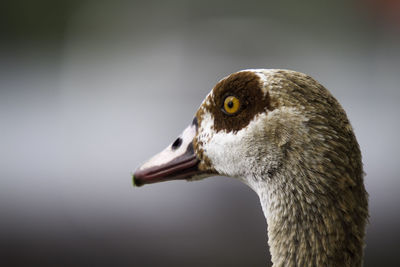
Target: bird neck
306, 229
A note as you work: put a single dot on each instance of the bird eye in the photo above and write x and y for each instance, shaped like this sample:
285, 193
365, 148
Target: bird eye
231, 105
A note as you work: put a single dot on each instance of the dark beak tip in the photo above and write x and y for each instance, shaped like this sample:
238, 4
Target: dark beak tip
136, 182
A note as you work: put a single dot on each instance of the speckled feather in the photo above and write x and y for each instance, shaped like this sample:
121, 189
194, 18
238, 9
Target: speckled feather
294, 145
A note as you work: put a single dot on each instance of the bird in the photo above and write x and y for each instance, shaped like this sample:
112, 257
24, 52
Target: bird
284, 135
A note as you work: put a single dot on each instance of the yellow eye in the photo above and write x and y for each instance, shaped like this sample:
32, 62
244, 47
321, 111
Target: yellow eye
231, 105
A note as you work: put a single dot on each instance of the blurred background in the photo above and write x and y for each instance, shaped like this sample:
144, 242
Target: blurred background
90, 89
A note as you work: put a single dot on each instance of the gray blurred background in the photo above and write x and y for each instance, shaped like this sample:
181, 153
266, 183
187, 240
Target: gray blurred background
90, 89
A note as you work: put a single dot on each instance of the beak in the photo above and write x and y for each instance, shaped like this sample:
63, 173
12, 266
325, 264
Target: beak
177, 161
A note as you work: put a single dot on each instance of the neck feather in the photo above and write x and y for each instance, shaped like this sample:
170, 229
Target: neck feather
310, 228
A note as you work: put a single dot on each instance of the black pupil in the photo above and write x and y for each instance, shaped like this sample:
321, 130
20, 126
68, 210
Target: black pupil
230, 104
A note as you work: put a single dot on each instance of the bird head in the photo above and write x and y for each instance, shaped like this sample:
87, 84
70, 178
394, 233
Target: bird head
255, 124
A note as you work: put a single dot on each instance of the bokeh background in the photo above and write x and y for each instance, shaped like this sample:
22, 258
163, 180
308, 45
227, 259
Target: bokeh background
90, 89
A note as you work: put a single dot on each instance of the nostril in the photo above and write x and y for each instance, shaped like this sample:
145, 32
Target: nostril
177, 143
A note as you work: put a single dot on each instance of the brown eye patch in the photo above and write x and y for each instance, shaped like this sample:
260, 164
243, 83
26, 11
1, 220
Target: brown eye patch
246, 87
